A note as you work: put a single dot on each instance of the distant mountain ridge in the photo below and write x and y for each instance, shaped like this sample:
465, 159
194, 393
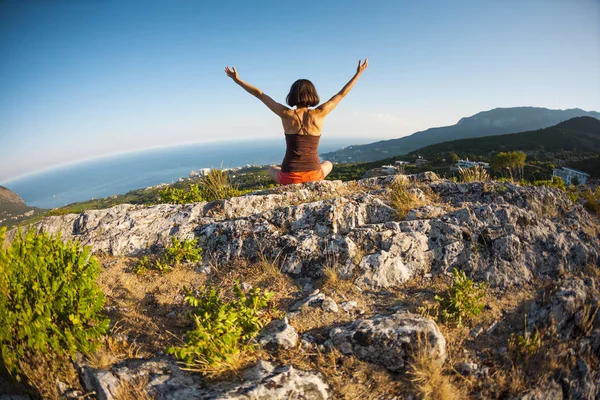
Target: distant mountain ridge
580, 133
498, 121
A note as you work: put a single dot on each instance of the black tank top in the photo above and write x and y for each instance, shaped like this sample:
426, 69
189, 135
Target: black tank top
302, 151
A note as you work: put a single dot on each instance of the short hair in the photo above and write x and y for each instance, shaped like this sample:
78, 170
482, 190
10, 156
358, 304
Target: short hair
302, 94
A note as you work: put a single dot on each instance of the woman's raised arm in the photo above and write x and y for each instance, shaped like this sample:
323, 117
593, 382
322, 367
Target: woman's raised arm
328, 106
274, 106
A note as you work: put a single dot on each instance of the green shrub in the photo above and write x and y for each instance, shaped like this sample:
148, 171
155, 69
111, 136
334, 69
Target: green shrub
181, 196
142, 265
216, 185
180, 251
176, 253
555, 182
50, 300
465, 298
222, 329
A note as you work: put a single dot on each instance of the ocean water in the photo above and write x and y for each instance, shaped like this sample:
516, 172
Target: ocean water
118, 174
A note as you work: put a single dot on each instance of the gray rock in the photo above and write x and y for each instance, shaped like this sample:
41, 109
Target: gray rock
349, 305
551, 391
329, 305
581, 383
390, 340
467, 368
263, 381
278, 334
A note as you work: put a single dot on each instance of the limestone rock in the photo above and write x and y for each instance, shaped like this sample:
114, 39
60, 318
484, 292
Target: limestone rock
278, 334
390, 340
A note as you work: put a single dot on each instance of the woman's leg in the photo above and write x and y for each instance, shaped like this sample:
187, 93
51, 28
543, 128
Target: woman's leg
274, 171
326, 167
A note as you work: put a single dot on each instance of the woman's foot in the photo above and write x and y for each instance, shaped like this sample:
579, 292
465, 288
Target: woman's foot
274, 171
326, 167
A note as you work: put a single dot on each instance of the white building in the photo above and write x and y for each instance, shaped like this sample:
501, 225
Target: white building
470, 164
569, 174
388, 169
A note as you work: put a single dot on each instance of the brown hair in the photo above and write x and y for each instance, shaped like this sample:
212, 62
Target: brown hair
302, 94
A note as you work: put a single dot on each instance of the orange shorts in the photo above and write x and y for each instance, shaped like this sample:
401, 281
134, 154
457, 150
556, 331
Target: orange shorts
287, 178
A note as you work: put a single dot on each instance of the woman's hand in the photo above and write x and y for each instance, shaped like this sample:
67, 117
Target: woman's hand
362, 65
232, 73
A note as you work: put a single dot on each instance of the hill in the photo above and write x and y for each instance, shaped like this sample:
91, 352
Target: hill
577, 134
13, 209
493, 122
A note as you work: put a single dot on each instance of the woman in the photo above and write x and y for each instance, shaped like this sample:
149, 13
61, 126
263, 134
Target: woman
301, 126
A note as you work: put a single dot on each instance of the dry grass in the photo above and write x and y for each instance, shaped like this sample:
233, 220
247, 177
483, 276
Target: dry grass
430, 379
403, 196
226, 370
348, 377
115, 348
217, 184
142, 305
42, 371
473, 174
134, 389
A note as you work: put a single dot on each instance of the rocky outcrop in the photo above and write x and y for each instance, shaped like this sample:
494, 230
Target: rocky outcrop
391, 340
166, 381
501, 233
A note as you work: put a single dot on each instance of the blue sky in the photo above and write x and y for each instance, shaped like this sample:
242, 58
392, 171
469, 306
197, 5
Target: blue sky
80, 79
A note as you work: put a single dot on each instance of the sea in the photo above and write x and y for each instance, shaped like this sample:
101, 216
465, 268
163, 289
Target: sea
121, 173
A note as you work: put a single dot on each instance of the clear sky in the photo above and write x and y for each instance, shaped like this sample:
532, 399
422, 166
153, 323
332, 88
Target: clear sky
83, 78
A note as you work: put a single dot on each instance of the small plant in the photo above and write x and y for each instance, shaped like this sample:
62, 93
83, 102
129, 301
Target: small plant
180, 251
142, 265
465, 298
473, 174
527, 344
50, 300
222, 329
172, 195
176, 253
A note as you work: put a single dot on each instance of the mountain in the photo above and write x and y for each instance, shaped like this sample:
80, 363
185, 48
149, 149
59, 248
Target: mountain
13, 209
9, 197
580, 133
494, 122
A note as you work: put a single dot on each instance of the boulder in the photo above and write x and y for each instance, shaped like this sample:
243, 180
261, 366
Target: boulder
390, 340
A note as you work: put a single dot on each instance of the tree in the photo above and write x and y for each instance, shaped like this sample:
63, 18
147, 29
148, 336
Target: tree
452, 158
512, 161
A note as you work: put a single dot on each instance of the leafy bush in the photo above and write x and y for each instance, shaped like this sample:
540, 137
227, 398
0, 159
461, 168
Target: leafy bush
50, 300
465, 299
555, 182
176, 253
181, 196
473, 174
180, 251
222, 329
142, 265
215, 185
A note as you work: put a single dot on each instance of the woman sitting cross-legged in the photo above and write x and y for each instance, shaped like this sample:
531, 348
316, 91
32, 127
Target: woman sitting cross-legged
301, 126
